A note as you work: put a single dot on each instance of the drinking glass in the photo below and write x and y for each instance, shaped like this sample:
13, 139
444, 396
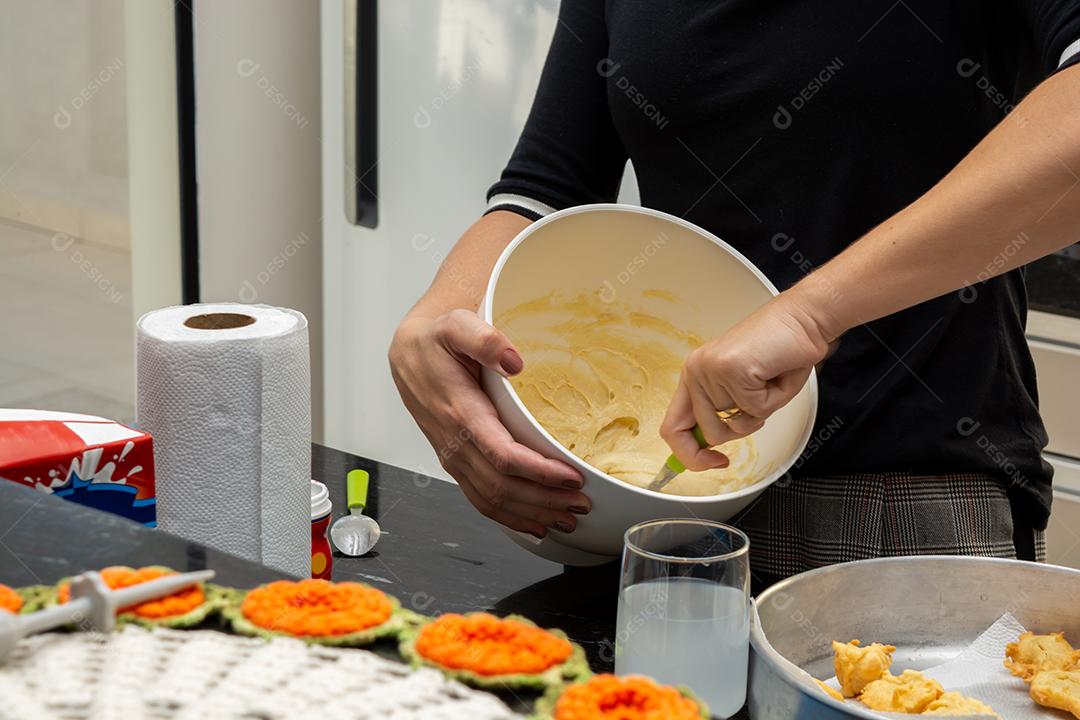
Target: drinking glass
684, 609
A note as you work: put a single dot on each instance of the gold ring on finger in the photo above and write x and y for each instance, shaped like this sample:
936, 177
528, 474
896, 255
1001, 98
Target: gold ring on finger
729, 414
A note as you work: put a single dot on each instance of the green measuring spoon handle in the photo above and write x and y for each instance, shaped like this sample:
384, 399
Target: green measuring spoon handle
356, 489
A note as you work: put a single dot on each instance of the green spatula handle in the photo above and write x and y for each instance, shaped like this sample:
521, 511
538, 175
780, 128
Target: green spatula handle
674, 463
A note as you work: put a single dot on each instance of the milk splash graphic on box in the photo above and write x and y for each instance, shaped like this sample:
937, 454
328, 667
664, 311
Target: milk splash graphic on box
62, 454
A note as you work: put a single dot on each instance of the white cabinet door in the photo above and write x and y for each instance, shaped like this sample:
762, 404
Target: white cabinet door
1054, 336
1063, 535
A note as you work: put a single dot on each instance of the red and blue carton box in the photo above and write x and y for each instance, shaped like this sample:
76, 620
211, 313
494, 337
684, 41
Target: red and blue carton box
82, 458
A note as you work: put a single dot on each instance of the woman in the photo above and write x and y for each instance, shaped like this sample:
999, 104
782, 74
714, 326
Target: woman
792, 129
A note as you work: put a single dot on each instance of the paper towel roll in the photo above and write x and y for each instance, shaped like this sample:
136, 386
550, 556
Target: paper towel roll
225, 391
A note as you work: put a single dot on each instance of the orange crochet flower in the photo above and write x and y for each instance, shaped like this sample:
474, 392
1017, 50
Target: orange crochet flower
10, 600
488, 645
316, 607
179, 603
632, 697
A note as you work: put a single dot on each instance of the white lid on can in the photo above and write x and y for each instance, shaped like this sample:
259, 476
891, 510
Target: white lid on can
320, 500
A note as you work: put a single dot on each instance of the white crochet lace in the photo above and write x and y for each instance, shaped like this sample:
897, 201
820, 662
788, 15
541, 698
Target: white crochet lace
192, 675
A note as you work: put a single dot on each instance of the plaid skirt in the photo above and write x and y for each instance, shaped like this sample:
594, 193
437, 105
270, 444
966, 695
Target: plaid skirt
801, 523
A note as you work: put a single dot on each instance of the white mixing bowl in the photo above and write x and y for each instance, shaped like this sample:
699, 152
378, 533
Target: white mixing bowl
620, 251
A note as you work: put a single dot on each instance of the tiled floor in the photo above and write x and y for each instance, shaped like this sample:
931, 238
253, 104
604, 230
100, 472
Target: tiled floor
66, 325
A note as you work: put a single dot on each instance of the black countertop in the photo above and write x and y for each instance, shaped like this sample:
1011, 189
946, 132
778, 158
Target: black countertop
436, 554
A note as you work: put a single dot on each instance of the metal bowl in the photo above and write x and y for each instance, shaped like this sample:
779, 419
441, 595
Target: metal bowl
929, 607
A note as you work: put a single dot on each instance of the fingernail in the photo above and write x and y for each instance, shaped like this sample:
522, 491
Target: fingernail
511, 362
563, 527
579, 509
572, 484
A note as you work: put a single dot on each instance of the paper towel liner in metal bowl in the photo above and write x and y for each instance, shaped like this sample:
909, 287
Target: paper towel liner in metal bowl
929, 607
619, 251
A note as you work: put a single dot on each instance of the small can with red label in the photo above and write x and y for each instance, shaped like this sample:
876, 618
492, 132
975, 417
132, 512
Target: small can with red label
322, 559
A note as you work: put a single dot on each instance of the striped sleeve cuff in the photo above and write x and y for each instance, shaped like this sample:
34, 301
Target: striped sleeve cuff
520, 204
1069, 53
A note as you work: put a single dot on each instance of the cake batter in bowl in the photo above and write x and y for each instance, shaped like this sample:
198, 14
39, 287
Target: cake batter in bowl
598, 378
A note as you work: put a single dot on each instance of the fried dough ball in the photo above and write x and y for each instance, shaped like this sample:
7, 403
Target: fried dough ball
1059, 689
910, 692
856, 666
953, 703
1033, 653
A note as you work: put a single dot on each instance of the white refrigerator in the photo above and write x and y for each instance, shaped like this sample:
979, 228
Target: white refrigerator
440, 90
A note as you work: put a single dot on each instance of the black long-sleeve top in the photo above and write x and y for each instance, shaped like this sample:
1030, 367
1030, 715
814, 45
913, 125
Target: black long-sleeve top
789, 128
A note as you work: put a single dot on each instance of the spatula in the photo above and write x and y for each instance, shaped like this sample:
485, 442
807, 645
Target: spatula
673, 467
